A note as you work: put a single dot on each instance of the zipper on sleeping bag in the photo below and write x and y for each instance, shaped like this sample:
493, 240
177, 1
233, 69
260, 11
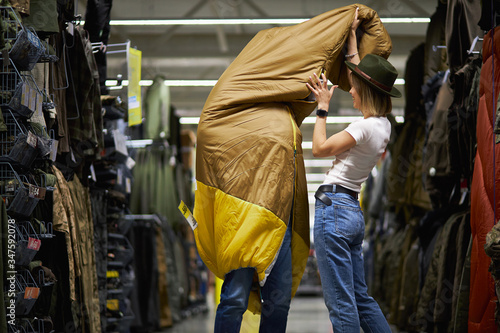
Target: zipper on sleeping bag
294, 160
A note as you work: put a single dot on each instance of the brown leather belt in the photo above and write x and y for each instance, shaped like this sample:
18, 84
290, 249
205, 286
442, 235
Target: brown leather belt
335, 189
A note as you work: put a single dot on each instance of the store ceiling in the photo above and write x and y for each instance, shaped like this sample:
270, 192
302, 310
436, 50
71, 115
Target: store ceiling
203, 52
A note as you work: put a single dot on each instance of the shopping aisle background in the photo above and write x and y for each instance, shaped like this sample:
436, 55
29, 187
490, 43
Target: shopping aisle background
308, 314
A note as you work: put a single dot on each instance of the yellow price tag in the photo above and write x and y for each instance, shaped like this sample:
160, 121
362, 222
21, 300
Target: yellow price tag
187, 214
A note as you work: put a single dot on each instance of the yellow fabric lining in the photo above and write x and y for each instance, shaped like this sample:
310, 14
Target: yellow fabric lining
233, 233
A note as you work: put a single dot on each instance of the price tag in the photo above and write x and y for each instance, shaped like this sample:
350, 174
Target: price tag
34, 244
36, 192
128, 185
53, 149
32, 101
120, 142
92, 173
25, 95
187, 214
10, 187
31, 293
32, 139
119, 176
112, 274
39, 104
130, 163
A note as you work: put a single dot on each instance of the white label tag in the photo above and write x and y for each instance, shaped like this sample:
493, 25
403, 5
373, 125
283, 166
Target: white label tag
31, 139
25, 95
92, 173
128, 185
53, 149
130, 163
119, 177
120, 142
187, 214
32, 100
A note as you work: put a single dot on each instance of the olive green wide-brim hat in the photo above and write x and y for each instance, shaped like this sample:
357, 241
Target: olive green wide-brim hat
376, 72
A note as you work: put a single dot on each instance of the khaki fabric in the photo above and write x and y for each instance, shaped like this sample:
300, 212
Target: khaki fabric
73, 216
63, 213
249, 162
84, 244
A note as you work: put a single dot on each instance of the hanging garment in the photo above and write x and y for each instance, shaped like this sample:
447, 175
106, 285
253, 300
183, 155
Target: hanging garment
97, 17
43, 17
88, 290
249, 164
461, 28
83, 98
435, 305
492, 248
157, 112
58, 86
414, 80
435, 42
436, 167
165, 312
485, 187
23, 6
462, 117
489, 6
145, 297
99, 200
405, 190
72, 216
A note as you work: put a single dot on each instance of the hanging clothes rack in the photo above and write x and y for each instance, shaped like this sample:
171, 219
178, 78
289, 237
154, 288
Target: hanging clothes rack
473, 46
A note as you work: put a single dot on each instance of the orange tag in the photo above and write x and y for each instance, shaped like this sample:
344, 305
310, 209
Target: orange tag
31, 293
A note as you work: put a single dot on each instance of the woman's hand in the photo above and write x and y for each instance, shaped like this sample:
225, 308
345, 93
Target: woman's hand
356, 22
320, 90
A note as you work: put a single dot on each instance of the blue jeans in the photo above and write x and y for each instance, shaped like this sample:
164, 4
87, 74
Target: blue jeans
338, 236
276, 295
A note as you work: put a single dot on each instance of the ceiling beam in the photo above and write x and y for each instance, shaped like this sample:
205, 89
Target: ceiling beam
219, 31
171, 30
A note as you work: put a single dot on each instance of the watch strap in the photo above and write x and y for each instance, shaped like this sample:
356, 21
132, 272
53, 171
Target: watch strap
321, 113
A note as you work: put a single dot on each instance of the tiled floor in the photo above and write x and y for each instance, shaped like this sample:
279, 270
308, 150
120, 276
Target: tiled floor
307, 315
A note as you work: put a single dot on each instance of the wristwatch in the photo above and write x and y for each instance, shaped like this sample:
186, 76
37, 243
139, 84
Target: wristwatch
322, 113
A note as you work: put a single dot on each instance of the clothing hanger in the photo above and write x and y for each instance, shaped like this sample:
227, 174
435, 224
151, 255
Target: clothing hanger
474, 42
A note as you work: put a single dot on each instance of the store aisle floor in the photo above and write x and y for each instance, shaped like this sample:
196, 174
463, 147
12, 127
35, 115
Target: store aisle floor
307, 315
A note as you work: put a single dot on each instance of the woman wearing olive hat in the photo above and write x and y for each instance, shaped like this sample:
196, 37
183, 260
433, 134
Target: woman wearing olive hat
339, 224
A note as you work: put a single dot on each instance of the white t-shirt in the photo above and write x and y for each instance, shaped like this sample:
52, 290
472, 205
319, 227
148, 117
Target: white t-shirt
352, 167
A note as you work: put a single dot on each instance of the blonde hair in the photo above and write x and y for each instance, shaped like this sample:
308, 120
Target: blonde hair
373, 102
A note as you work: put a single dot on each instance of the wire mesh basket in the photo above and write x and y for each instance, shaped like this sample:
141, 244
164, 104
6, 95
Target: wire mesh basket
27, 50
18, 145
27, 292
27, 243
14, 128
20, 194
18, 92
11, 27
23, 45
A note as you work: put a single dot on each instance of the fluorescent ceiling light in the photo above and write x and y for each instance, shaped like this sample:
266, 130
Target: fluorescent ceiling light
189, 83
317, 163
170, 83
308, 120
315, 177
242, 21
405, 19
234, 21
333, 120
